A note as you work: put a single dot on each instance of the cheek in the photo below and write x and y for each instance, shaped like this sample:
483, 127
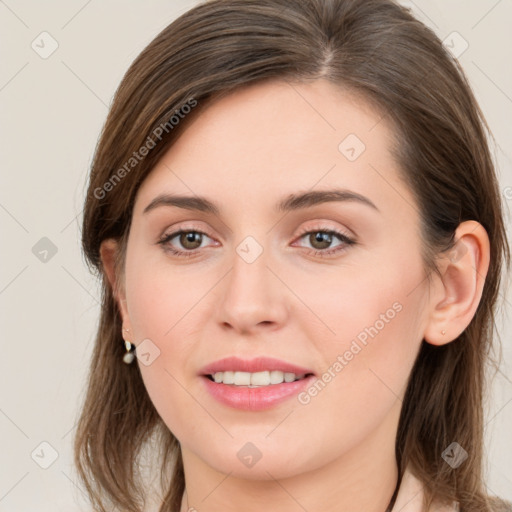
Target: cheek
161, 297
368, 331
370, 301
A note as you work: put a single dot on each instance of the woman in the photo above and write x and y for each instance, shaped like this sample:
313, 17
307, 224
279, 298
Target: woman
296, 219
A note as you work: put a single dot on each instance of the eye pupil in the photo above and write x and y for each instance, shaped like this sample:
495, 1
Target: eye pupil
190, 237
325, 239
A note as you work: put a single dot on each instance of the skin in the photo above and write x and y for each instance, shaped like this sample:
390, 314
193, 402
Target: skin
246, 152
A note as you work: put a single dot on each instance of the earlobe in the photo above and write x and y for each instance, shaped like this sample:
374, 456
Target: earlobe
457, 294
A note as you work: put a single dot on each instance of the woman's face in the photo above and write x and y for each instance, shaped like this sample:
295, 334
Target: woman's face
331, 284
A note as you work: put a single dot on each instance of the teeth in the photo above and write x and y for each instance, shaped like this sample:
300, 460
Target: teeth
256, 379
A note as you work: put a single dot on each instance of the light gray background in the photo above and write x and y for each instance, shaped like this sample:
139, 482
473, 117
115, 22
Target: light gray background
52, 111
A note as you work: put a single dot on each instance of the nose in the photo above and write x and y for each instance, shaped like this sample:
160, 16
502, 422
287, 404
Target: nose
252, 299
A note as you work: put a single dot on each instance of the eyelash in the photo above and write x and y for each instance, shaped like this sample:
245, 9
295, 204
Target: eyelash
348, 241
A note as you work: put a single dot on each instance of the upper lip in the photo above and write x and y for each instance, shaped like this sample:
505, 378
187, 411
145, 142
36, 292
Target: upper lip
259, 364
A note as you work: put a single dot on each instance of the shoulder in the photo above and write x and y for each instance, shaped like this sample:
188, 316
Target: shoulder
411, 495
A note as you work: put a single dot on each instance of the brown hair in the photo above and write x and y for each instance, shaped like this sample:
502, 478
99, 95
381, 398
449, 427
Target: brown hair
376, 49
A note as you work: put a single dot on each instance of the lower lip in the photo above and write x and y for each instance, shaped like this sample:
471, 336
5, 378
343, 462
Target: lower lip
255, 399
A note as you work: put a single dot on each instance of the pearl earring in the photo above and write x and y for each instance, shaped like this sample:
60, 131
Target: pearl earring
128, 357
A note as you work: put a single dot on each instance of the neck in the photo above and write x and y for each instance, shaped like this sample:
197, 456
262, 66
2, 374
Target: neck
363, 479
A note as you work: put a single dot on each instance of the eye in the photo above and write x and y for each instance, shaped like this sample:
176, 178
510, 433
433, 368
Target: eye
321, 241
191, 240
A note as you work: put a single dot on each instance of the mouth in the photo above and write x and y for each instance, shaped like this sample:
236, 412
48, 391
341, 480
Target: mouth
254, 384
255, 391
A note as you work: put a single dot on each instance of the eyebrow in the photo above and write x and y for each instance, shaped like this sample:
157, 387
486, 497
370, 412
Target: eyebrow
289, 203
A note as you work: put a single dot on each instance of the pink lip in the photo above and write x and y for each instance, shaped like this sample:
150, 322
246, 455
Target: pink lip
259, 364
255, 399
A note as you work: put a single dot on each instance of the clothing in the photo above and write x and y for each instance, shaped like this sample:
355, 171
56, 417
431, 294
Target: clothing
410, 497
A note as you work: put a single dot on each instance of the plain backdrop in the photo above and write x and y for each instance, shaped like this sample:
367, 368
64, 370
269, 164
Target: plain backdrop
52, 110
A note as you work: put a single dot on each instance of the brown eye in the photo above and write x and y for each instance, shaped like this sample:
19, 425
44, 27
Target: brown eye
190, 239
183, 242
320, 239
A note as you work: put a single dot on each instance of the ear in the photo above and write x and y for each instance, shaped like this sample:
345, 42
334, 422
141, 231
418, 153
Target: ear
109, 252
455, 298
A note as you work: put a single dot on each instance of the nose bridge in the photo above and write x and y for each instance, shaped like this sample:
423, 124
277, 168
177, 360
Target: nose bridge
252, 296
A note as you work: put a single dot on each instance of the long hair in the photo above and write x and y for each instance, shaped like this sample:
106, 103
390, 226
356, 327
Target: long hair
374, 48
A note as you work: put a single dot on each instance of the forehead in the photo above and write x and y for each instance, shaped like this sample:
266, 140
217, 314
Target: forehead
270, 138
